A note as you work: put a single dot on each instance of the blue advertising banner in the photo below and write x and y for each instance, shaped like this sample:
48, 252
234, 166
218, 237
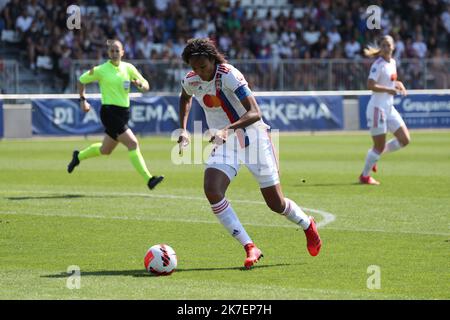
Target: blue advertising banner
1, 118
299, 113
160, 115
418, 111
147, 115
64, 117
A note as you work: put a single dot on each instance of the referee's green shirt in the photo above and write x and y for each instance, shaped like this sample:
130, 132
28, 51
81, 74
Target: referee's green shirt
114, 81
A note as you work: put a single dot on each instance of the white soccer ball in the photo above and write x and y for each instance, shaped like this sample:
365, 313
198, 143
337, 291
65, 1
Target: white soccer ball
160, 260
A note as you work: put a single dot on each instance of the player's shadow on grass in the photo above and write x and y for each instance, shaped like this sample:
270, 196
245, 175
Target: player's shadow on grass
73, 196
61, 196
337, 184
143, 273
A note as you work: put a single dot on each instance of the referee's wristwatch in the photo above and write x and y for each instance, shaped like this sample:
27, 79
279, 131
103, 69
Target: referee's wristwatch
82, 98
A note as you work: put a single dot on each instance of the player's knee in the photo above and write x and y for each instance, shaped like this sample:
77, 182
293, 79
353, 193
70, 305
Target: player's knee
405, 141
213, 194
276, 206
378, 149
105, 151
133, 145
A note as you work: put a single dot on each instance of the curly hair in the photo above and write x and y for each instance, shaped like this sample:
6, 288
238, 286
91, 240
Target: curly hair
202, 47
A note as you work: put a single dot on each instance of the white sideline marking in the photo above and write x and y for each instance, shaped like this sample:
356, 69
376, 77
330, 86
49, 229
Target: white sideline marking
327, 217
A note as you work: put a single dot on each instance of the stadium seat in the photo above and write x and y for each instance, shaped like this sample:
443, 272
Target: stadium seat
298, 13
10, 36
262, 13
275, 12
44, 62
259, 3
272, 3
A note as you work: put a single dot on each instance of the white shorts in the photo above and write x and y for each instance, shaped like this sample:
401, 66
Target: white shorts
254, 149
380, 120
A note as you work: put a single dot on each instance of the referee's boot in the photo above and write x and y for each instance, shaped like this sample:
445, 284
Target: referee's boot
154, 181
74, 162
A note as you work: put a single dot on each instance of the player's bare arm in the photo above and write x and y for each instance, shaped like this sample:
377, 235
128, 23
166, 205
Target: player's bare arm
185, 107
375, 87
141, 85
252, 115
84, 105
400, 87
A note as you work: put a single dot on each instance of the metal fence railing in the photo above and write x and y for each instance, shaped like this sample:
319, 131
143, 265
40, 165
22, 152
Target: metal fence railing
262, 75
9, 76
293, 75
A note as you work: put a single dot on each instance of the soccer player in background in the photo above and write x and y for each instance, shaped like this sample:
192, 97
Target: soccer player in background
232, 112
114, 78
381, 114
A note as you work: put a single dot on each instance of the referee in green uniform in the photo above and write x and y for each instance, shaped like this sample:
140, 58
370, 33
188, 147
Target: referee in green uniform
114, 78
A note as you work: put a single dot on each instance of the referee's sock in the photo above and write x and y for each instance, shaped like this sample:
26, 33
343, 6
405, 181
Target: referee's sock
92, 151
138, 162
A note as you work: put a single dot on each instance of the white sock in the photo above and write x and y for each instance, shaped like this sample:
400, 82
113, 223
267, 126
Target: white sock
392, 145
371, 158
227, 217
295, 214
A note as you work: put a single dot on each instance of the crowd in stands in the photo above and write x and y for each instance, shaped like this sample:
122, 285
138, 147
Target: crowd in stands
158, 29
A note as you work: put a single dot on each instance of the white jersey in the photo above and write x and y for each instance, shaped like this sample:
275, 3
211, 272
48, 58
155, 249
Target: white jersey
385, 74
220, 97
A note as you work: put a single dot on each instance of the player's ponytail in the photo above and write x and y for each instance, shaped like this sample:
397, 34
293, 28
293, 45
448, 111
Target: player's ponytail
372, 51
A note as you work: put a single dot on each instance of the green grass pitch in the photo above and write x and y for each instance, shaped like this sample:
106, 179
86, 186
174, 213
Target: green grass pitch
103, 218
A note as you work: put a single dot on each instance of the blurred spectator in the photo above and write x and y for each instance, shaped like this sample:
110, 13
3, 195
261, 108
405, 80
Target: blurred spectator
352, 49
409, 49
23, 22
419, 46
445, 18
334, 38
311, 35
399, 47
440, 70
10, 13
144, 48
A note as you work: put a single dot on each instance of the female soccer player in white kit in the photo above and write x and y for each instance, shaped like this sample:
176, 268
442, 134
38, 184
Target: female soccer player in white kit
241, 137
381, 114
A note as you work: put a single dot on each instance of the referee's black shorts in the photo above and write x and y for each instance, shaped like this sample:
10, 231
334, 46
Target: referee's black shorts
114, 119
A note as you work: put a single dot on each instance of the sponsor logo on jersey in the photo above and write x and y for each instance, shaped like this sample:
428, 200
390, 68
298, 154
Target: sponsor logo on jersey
211, 101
